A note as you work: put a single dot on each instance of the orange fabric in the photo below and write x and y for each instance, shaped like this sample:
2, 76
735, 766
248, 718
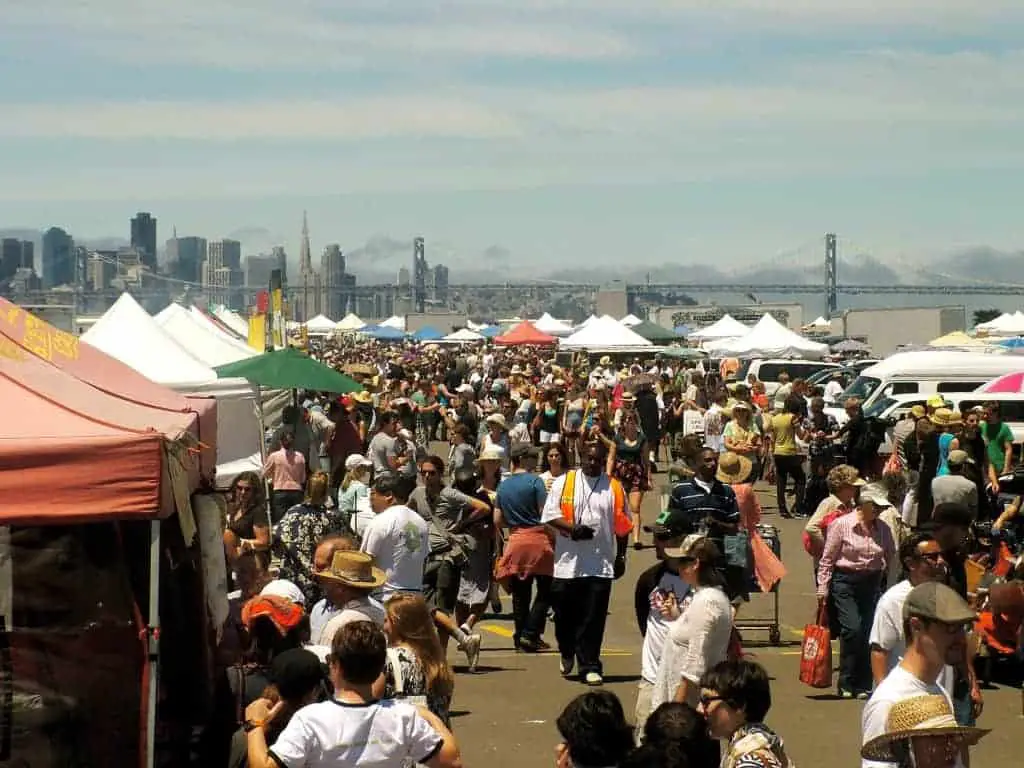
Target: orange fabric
284, 614
750, 507
768, 569
623, 525
21, 333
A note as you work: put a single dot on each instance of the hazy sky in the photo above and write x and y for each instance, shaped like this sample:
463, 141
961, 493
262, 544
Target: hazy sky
563, 130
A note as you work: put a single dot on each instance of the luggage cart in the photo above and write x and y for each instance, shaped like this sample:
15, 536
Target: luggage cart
773, 625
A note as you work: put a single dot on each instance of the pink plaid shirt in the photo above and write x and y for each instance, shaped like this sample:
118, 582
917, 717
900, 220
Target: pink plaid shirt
851, 546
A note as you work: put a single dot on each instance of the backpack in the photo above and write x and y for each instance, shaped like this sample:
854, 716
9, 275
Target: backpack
396, 672
825, 523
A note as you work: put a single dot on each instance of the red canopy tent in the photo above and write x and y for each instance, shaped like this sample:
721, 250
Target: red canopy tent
525, 334
88, 446
109, 375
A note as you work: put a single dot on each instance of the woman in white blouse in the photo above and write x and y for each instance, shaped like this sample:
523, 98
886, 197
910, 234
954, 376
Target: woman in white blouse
698, 637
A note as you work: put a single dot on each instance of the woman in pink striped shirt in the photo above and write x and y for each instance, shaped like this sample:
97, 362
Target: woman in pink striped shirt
858, 549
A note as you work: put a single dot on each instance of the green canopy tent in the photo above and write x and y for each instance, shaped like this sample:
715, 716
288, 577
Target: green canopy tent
684, 353
288, 369
654, 333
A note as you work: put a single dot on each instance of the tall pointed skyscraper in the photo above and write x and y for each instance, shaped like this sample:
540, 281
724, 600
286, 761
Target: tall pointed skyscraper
305, 258
308, 277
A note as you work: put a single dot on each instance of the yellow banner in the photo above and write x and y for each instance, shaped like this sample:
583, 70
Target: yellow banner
258, 332
277, 315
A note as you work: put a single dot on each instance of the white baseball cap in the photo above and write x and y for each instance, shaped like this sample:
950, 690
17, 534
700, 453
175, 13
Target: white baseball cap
357, 460
286, 589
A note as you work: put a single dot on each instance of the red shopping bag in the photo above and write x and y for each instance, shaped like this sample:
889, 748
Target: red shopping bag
816, 652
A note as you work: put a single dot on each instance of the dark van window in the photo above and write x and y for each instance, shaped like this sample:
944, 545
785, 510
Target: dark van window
903, 388
958, 386
1009, 410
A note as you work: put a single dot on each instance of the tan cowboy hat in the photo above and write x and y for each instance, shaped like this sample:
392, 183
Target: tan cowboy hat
628, 397
733, 468
354, 569
492, 453
928, 715
605, 361
499, 419
363, 397
944, 417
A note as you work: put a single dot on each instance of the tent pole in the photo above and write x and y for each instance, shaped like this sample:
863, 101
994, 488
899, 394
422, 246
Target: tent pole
154, 640
263, 449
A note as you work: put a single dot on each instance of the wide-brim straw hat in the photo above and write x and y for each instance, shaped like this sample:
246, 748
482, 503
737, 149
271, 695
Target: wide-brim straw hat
354, 569
929, 715
491, 453
363, 397
944, 417
733, 468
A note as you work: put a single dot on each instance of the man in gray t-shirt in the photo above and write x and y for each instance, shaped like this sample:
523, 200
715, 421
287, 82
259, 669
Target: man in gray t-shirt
382, 447
954, 488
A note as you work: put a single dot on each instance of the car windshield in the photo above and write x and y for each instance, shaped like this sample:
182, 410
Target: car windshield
879, 407
862, 388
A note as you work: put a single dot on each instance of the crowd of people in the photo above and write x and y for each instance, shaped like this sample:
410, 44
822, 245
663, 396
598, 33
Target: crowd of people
375, 550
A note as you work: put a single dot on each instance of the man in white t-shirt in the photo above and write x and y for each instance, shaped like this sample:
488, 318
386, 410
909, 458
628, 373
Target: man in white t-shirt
592, 523
652, 591
354, 727
935, 622
922, 558
397, 537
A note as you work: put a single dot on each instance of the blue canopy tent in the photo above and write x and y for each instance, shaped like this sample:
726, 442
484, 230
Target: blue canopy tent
429, 333
1015, 343
383, 333
682, 330
490, 331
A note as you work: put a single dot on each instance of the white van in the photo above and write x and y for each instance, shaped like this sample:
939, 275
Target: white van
896, 407
768, 370
927, 373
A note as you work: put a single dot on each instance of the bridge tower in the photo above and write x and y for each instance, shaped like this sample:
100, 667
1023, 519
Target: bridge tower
419, 275
831, 292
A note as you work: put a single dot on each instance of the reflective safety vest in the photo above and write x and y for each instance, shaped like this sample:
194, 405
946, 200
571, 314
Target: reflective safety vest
623, 525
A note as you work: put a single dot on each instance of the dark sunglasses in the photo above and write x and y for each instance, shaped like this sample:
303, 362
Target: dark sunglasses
428, 472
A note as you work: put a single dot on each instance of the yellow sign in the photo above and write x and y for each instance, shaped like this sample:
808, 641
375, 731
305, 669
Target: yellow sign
258, 332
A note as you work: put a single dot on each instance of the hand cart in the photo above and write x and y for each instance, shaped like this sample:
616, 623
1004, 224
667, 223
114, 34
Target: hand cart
772, 624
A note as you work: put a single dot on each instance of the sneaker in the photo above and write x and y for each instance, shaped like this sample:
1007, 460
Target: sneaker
845, 694
863, 695
472, 650
565, 665
593, 678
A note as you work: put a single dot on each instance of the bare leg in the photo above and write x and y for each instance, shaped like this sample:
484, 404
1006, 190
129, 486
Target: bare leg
636, 498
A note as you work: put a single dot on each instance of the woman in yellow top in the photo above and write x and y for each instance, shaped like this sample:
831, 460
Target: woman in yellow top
782, 430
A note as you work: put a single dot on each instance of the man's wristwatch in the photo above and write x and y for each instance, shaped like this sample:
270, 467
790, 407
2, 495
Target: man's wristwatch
252, 725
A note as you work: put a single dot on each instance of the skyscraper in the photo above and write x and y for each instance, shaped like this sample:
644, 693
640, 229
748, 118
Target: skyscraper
223, 278
307, 303
144, 238
14, 254
57, 266
439, 284
332, 280
185, 257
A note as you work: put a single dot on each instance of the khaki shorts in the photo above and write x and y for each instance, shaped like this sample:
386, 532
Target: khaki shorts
644, 692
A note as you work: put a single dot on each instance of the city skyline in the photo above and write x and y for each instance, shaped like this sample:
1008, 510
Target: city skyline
567, 132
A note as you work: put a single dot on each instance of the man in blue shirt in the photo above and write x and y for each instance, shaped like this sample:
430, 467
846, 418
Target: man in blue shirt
529, 553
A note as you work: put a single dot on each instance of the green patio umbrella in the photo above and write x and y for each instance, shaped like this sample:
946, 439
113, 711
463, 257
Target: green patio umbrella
654, 333
288, 369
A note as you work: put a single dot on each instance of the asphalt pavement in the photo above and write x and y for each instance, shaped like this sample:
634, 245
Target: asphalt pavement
504, 715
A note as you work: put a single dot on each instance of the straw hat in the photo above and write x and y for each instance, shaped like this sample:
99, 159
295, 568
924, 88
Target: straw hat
499, 419
944, 417
492, 453
363, 397
628, 397
605, 361
354, 569
928, 715
733, 468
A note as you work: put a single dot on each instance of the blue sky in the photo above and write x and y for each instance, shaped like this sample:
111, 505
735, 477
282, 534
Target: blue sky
568, 131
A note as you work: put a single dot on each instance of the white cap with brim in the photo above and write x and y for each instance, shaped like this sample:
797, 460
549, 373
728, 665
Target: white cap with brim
876, 494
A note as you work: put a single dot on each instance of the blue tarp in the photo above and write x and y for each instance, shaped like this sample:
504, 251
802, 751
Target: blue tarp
490, 331
1015, 343
682, 330
383, 332
430, 333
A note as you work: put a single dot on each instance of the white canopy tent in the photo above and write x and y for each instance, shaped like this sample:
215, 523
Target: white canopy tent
463, 336
233, 320
321, 325
604, 333
726, 327
200, 338
128, 333
234, 341
1007, 324
395, 322
769, 338
630, 320
549, 325
819, 324
586, 322
350, 322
